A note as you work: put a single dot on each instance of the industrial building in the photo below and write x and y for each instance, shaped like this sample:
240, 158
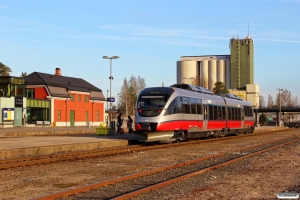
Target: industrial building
241, 62
236, 70
204, 71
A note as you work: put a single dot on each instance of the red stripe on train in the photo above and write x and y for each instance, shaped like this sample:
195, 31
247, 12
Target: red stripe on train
211, 124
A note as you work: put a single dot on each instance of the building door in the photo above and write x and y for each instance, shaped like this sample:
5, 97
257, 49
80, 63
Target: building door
87, 118
72, 117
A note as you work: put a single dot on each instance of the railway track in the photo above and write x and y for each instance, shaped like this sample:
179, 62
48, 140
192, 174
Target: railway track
142, 183
37, 160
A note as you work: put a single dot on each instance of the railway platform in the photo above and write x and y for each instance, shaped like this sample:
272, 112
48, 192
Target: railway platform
32, 141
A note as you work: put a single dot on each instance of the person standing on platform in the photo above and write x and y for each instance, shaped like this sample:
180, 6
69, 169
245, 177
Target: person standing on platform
120, 122
129, 124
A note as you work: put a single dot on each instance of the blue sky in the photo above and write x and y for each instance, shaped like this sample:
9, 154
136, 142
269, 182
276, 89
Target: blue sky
150, 37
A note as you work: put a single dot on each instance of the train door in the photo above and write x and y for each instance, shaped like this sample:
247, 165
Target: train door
205, 114
242, 117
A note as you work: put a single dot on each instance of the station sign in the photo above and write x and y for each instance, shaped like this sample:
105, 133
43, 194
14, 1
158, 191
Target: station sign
111, 99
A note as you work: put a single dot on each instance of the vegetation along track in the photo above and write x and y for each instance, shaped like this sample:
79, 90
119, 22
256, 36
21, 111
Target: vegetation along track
36, 160
140, 183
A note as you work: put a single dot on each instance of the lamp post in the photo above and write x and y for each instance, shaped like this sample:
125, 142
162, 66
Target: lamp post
188, 79
107, 100
279, 121
110, 78
117, 100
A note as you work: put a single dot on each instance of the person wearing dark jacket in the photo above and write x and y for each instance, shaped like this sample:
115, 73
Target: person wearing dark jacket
120, 122
129, 124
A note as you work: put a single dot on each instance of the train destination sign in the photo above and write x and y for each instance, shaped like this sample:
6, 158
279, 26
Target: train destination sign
111, 99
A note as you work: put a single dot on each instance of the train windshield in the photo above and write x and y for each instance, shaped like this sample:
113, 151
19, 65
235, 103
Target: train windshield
151, 101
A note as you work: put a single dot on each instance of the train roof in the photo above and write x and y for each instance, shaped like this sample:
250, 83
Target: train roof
205, 91
228, 95
192, 88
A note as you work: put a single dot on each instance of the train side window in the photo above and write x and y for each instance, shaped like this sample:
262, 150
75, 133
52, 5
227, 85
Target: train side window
219, 113
215, 112
199, 106
246, 109
234, 114
186, 104
251, 112
172, 109
223, 113
193, 106
229, 113
211, 112
238, 113
174, 106
180, 107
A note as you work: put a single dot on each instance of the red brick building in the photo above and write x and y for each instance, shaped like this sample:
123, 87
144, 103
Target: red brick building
65, 100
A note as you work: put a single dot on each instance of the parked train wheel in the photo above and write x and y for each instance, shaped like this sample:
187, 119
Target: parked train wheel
218, 134
222, 133
208, 134
237, 132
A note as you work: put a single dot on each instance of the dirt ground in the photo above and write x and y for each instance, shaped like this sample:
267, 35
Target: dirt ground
262, 177
265, 176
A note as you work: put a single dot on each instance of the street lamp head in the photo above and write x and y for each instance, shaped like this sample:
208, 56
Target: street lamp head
115, 57
112, 57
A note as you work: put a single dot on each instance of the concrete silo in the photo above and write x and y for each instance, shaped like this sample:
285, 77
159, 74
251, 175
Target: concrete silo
187, 71
221, 71
212, 74
204, 73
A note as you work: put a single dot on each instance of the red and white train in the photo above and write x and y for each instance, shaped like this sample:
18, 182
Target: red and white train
182, 111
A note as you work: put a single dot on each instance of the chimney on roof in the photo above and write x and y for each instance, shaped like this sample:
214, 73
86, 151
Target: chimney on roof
57, 72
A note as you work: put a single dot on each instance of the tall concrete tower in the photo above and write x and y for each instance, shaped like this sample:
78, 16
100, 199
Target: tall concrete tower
241, 62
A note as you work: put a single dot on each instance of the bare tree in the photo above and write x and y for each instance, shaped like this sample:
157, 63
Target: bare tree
129, 93
270, 102
295, 101
123, 96
285, 99
261, 101
197, 81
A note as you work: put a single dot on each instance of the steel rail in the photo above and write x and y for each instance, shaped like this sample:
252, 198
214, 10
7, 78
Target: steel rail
133, 176
36, 160
190, 175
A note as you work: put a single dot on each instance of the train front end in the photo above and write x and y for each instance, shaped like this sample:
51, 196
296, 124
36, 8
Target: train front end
150, 108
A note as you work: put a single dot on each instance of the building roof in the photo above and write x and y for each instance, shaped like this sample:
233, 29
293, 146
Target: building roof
205, 57
59, 86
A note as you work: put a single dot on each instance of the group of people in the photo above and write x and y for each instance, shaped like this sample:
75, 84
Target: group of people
120, 122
